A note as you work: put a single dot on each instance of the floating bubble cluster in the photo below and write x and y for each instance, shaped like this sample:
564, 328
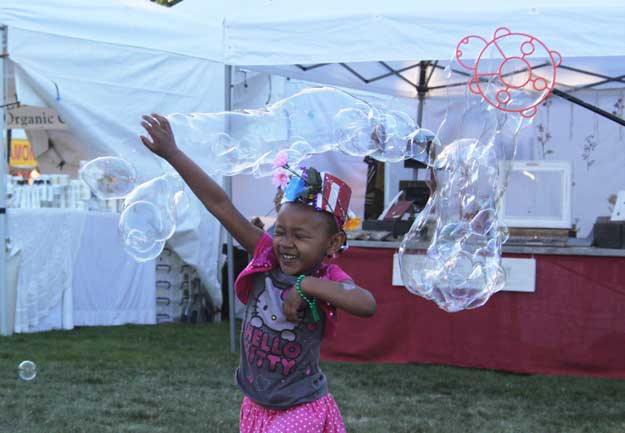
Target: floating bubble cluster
456, 239
27, 370
149, 216
109, 177
150, 209
256, 136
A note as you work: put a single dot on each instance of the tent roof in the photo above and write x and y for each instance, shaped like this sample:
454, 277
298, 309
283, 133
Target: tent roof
281, 32
344, 42
401, 78
278, 35
103, 66
134, 23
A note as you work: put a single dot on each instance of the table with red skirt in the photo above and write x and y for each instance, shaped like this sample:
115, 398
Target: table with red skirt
572, 324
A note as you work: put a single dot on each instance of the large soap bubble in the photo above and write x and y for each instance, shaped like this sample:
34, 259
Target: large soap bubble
247, 141
452, 253
109, 177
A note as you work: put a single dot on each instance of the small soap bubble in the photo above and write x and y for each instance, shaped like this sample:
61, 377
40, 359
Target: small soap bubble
420, 143
141, 248
27, 370
393, 134
353, 129
109, 177
144, 217
149, 215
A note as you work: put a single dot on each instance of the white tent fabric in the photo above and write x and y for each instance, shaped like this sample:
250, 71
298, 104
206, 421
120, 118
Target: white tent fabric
404, 85
275, 35
597, 172
130, 23
102, 66
101, 85
283, 32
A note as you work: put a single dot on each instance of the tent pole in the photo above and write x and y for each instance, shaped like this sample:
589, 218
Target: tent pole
588, 106
4, 306
565, 95
422, 89
228, 188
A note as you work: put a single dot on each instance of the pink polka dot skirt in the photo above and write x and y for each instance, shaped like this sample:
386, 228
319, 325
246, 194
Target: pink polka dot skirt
319, 416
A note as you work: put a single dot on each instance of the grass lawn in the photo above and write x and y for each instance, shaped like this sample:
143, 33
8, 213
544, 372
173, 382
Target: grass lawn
177, 378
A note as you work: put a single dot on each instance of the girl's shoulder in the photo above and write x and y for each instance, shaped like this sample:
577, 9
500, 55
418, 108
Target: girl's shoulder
263, 253
264, 244
334, 272
262, 261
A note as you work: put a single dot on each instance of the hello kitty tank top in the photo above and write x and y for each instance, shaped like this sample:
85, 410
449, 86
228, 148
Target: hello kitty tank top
279, 359
279, 366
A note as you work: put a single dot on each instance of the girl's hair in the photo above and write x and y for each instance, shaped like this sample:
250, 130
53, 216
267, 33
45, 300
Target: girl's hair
331, 222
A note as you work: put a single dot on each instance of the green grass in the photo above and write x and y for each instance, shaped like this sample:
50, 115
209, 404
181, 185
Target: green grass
175, 378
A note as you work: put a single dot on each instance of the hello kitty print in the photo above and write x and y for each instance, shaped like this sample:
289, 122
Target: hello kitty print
279, 359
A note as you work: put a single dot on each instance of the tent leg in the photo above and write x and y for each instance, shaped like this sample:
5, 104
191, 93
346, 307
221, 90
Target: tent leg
228, 188
4, 304
422, 89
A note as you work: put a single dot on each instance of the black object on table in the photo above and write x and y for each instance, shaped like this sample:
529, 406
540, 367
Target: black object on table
608, 234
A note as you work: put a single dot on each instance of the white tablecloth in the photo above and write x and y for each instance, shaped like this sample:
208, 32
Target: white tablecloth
74, 271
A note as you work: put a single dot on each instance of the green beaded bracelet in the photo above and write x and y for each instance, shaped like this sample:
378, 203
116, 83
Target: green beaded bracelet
312, 303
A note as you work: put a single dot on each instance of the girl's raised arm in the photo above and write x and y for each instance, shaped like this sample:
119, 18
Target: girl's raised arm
161, 142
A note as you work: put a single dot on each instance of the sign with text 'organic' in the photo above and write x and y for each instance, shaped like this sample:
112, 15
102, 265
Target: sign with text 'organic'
29, 118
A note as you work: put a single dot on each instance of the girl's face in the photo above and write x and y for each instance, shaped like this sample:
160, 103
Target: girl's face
302, 238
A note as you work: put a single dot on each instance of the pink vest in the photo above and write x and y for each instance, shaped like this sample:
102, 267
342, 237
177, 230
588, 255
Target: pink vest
264, 260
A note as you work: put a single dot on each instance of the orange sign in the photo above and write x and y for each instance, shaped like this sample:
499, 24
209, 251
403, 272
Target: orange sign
22, 154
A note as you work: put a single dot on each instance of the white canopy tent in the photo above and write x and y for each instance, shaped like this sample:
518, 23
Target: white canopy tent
377, 46
281, 32
400, 49
276, 34
385, 48
101, 67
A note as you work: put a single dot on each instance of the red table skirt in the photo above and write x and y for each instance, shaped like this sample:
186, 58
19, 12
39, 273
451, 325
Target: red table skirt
574, 323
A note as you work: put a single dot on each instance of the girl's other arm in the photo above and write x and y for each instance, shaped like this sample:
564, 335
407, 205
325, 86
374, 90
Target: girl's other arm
344, 295
214, 198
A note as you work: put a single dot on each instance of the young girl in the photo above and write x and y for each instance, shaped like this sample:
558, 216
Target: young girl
291, 294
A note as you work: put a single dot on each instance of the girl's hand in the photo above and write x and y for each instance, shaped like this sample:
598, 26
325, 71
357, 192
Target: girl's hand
292, 305
161, 140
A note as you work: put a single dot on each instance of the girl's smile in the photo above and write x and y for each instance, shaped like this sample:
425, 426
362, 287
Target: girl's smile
302, 238
287, 261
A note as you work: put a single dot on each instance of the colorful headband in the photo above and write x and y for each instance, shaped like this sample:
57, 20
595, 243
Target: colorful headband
323, 191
